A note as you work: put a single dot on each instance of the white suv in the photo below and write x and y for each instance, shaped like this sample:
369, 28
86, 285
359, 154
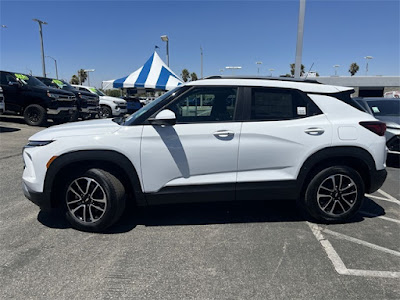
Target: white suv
109, 106
215, 139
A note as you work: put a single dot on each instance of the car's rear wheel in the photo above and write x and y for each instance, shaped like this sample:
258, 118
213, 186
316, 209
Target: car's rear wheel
35, 115
335, 194
94, 200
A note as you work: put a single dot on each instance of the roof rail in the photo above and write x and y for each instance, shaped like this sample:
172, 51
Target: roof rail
263, 78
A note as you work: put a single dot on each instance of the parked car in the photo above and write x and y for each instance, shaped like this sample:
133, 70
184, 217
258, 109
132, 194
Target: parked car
87, 103
109, 106
257, 138
2, 105
388, 111
26, 95
133, 104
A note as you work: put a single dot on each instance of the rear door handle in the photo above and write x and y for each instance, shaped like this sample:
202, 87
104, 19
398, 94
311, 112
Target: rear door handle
314, 131
223, 133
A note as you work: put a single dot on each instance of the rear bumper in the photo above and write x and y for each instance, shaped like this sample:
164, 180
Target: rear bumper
377, 178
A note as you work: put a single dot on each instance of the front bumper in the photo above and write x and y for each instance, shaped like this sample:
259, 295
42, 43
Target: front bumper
43, 200
61, 110
117, 111
90, 110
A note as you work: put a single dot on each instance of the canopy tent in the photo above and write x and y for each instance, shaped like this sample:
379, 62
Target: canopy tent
154, 74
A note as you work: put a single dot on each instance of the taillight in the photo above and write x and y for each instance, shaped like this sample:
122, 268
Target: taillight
375, 126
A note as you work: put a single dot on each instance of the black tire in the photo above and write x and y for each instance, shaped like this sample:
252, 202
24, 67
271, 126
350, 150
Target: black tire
334, 195
105, 112
75, 116
93, 200
62, 120
35, 115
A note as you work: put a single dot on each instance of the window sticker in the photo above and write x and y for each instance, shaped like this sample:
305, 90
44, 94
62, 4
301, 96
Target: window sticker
59, 83
93, 90
22, 77
375, 109
301, 111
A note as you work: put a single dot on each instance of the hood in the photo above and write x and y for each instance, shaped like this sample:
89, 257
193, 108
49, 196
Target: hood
53, 90
91, 127
109, 98
391, 121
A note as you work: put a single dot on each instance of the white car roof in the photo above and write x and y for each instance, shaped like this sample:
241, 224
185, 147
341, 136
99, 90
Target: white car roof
308, 87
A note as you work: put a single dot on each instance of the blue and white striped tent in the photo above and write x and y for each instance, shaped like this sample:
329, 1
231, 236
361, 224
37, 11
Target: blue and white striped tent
154, 74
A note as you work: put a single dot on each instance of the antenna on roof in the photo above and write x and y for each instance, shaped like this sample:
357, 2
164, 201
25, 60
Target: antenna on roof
309, 71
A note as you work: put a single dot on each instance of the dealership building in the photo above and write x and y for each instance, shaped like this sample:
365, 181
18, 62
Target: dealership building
365, 86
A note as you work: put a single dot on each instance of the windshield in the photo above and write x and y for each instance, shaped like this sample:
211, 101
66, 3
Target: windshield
29, 80
96, 91
385, 107
147, 107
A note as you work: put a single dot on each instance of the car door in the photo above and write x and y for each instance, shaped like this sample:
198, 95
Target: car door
11, 91
282, 128
197, 154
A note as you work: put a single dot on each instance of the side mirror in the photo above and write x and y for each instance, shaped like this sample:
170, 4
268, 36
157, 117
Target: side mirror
164, 117
14, 83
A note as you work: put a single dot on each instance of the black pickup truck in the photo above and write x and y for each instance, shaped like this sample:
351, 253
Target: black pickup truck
87, 103
26, 95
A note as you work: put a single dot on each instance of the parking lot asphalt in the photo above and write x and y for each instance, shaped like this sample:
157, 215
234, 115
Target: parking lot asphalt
262, 250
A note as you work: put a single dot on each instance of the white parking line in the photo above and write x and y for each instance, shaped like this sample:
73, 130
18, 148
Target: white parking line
337, 261
361, 242
383, 199
380, 217
390, 197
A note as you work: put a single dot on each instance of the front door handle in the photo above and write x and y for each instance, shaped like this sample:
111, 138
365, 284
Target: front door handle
314, 131
223, 133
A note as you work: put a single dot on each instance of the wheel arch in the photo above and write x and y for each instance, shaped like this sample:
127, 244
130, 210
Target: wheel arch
355, 157
114, 162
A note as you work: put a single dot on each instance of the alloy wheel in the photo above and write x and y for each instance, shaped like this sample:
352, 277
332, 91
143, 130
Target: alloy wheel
337, 194
86, 200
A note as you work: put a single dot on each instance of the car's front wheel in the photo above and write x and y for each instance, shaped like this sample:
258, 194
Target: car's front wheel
335, 194
94, 200
105, 112
35, 115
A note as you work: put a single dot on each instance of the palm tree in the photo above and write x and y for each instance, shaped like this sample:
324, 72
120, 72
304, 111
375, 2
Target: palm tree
292, 68
74, 80
185, 75
353, 69
82, 76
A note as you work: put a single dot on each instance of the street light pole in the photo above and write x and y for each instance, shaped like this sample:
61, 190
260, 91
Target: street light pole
201, 55
88, 71
164, 38
336, 66
55, 62
271, 70
41, 43
299, 46
233, 68
366, 68
258, 66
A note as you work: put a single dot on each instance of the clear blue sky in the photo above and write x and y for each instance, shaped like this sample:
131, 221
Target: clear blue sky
117, 37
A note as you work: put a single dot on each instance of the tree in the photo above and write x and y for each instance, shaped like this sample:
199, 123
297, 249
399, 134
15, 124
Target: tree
193, 76
353, 69
185, 75
82, 76
74, 80
292, 68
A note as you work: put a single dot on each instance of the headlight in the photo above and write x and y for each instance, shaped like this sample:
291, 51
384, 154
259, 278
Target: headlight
83, 97
54, 96
37, 143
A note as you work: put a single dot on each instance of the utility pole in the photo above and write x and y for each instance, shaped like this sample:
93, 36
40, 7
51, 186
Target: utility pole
201, 54
41, 43
299, 45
